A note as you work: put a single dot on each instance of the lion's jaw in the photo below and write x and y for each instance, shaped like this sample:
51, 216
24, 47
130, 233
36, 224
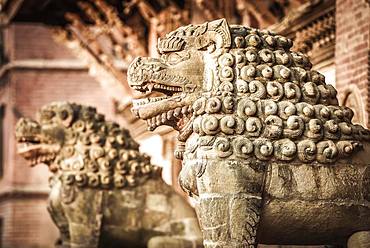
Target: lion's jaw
34, 144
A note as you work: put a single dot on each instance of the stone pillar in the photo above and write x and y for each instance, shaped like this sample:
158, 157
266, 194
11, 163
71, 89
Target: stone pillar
352, 56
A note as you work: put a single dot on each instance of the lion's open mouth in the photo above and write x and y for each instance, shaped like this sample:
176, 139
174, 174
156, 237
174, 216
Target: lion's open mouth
166, 107
167, 104
163, 110
158, 87
36, 152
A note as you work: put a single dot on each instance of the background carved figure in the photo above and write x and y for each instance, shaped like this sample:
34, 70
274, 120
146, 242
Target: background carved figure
104, 192
267, 151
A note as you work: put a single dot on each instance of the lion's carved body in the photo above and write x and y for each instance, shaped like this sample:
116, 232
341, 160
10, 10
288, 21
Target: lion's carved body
104, 192
112, 218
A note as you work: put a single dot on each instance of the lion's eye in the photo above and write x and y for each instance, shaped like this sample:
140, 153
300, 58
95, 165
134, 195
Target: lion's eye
63, 114
173, 58
47, 114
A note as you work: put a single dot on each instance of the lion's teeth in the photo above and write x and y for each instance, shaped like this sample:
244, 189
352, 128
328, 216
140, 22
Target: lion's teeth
169, 114
158, 120
164, 117
184, 110
177, 112
150, 87
139, 102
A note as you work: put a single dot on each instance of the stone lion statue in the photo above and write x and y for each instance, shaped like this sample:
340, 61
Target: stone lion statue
104, 192
267, 151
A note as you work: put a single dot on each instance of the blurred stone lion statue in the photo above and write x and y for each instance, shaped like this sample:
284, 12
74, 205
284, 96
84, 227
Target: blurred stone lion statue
104, 192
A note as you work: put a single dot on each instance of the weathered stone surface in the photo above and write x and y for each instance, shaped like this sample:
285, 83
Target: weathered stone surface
262, 132
104, 192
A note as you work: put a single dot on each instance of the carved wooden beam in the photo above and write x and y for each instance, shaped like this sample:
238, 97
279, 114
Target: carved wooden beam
316, 34
8, 9
145, 9
162, 21
110, 82
312, 27
260, 9
210, 9
103, 37
87, 40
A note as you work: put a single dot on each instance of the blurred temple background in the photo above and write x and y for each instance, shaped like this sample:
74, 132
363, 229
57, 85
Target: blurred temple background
79, 51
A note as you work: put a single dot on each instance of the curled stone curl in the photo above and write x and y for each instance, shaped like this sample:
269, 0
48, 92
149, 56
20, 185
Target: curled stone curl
346, 148
292, 92
228, 104
243, 147
199, 106
246, 108
295, 127
326, 152
273, 128
253, 127
226, 73
306, 150
210, 125
223, 147
270, 107
213, 105
257, 89
286, 109
263, 149
275, 90
285, 149
230, 125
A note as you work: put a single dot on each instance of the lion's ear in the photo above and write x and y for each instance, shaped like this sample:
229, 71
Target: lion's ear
66, 115
218, 32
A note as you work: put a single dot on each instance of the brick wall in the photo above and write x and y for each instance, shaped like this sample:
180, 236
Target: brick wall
30, 41
352, 51
26, 224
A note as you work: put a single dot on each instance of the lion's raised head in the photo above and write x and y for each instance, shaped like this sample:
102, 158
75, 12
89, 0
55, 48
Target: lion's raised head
81, 147
178, 74
244, 94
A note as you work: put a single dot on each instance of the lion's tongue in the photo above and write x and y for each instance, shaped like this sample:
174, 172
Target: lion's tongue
156, 108
31, 150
